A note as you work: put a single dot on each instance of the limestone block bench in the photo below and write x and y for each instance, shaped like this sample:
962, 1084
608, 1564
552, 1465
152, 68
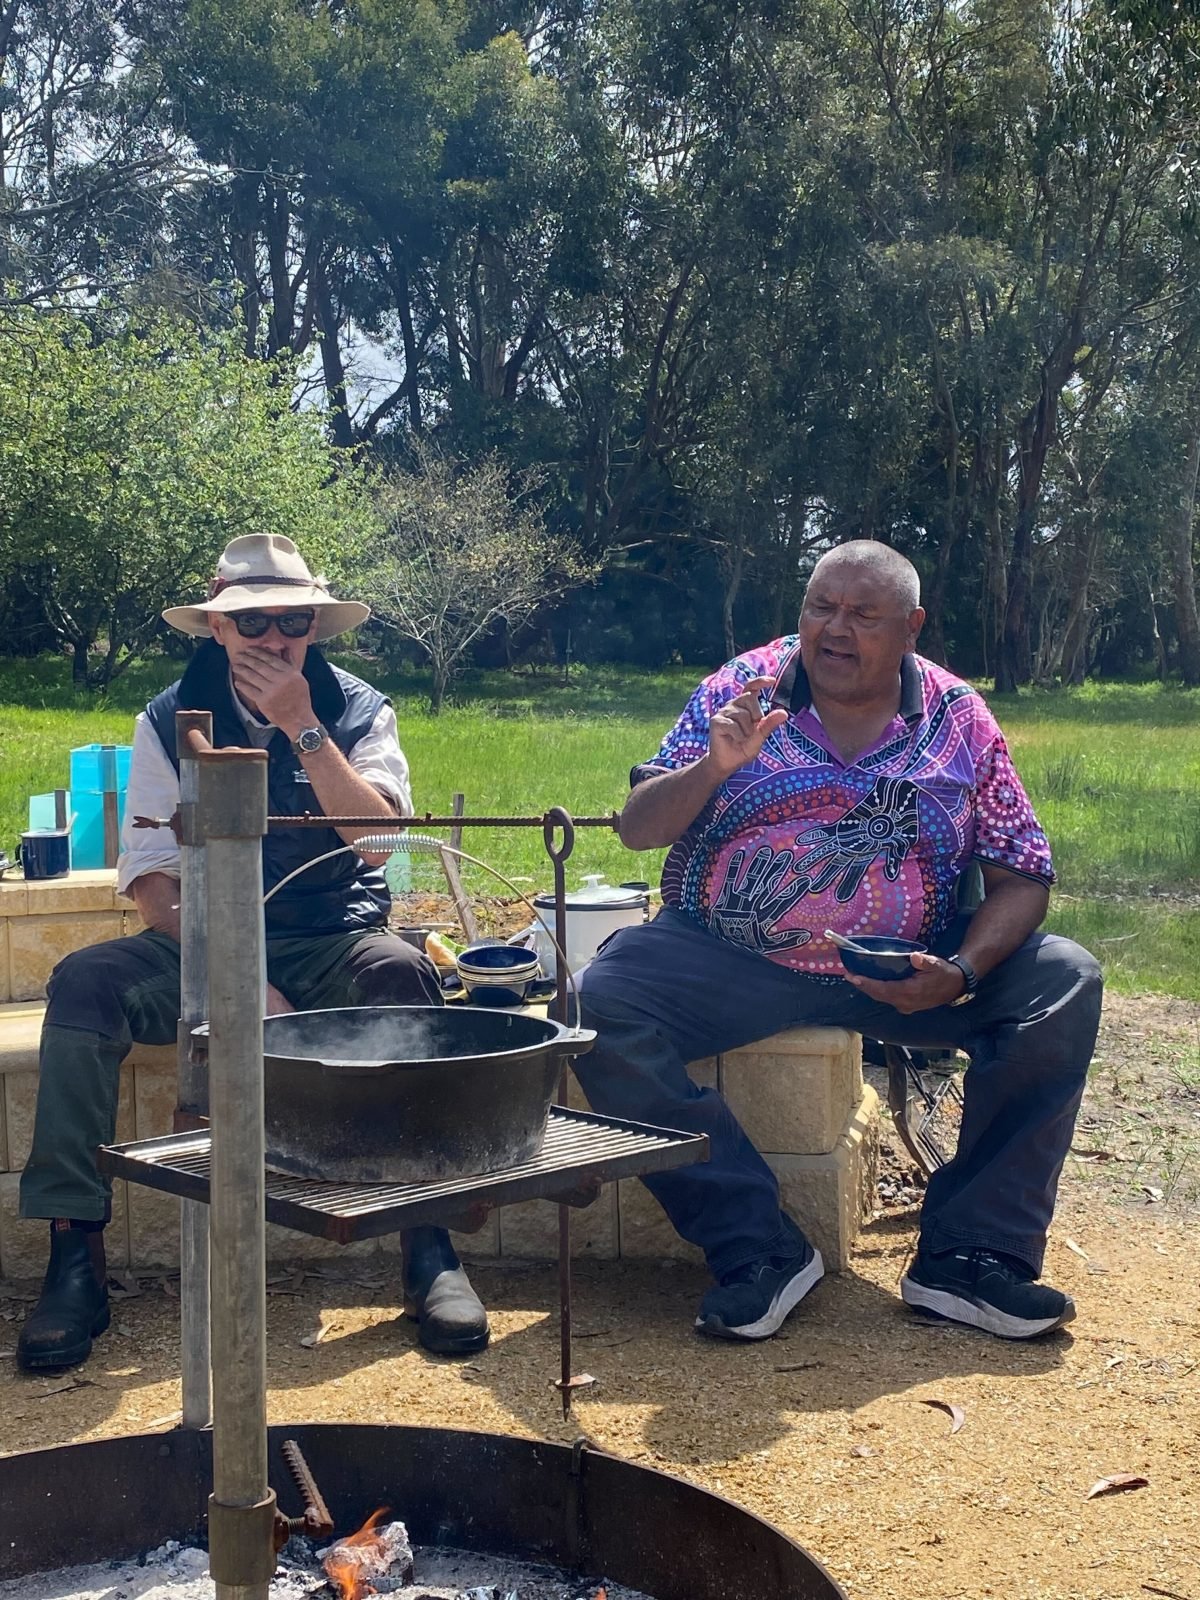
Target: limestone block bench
800, 1095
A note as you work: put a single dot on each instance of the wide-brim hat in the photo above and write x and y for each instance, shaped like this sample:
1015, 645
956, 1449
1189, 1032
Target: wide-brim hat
265, 569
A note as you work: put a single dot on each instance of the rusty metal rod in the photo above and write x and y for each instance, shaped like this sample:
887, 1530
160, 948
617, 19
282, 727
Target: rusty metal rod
192, 1077
426, 821
430, 821
561, 822
316, 1513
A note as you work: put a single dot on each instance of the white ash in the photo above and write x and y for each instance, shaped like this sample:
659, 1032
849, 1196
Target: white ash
175, 1572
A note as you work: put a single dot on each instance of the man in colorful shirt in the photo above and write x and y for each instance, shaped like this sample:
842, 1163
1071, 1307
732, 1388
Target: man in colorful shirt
834, 780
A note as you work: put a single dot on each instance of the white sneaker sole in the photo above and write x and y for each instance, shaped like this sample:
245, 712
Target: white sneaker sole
784, 1303
955, 1308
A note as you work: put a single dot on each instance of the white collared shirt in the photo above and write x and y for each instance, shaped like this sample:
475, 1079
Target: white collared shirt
154, 786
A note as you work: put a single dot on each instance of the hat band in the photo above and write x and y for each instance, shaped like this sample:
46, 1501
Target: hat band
219, 584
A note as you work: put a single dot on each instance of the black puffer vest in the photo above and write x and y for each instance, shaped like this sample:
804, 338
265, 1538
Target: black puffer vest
339, 895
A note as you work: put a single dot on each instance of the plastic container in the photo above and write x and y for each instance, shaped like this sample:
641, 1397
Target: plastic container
97, 767
42, 812
87, 830
95, 770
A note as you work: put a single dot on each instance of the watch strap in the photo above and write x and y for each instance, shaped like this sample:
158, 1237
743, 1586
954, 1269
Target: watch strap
970, 979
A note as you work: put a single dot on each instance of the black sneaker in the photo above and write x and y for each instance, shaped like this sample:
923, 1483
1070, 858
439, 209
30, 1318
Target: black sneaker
985, 1290
752, 1301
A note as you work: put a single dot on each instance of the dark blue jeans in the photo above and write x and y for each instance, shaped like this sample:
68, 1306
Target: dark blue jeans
669, 992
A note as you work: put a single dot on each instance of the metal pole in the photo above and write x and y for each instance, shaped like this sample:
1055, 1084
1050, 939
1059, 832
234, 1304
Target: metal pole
557, 818
192, 1093
233, 819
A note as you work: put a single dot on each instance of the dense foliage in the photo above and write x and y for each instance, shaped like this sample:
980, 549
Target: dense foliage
127, 462
734, 277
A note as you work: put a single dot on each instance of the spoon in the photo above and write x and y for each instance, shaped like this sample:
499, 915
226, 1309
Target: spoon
846, 944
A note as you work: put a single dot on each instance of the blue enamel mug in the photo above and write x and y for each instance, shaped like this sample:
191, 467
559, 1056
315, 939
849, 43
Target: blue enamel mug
45, 853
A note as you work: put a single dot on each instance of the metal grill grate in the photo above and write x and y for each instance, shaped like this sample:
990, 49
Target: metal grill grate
581, 1152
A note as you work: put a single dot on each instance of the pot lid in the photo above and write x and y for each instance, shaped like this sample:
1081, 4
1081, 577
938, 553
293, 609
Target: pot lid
596, 895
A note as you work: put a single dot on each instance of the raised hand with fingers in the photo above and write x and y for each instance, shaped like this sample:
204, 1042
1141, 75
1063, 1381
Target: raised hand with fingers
276, 687
739, 730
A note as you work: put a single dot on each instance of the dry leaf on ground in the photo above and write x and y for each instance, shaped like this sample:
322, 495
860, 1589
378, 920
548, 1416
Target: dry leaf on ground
1116, 1483
956, 1413
62, 1385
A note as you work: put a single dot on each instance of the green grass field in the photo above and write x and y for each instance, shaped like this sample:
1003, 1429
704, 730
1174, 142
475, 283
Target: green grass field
1114, 771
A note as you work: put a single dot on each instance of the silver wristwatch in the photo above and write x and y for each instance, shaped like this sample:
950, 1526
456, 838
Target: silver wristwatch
309, 740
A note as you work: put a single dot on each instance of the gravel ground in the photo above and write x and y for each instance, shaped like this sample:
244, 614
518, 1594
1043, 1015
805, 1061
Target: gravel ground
835, 1429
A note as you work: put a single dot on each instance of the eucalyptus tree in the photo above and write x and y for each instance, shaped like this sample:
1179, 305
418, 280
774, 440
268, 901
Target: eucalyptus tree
87, 160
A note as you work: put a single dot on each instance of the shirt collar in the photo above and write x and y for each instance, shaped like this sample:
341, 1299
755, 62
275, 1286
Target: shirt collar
793, 694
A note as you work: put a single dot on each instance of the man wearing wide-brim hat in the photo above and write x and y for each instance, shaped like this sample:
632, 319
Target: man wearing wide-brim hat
332, 748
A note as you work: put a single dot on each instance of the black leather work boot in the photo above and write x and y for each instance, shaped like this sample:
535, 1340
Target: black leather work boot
73, 1308
450, 1317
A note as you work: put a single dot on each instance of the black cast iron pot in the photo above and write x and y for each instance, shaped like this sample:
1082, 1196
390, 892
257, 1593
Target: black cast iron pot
408, 1094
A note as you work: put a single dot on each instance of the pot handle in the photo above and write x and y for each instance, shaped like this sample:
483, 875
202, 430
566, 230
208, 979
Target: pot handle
574, 1042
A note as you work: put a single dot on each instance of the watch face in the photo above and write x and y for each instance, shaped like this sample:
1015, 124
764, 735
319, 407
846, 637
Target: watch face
311, 739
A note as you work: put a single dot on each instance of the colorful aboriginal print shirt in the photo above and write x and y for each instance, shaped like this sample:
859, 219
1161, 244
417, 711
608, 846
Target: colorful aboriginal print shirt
798, 840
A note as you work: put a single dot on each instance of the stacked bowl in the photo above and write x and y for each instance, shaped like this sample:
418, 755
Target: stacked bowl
497, 974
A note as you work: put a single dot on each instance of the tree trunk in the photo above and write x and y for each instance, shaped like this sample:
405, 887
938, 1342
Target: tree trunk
733, 567
79, 665
331, 360
412, 366
1183, 575
933, 640
996, 563
1160, 649
283, 311
1014, 665
437, 690
1070, 659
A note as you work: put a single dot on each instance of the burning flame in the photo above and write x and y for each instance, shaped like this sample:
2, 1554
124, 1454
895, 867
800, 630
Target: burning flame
346, 1570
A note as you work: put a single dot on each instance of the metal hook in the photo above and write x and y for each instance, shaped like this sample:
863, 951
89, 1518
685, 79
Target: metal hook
556, 817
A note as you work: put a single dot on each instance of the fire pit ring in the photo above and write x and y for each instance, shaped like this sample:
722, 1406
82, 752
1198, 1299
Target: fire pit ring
577, 1508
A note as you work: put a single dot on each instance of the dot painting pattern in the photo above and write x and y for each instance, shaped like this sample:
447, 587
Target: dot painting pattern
798, 841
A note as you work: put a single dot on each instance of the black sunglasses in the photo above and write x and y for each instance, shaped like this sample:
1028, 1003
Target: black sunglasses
291, 624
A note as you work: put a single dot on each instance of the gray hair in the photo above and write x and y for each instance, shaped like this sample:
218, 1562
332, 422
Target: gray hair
882, 562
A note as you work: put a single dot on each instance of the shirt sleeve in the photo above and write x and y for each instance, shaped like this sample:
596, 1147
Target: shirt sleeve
378, 758
1007, 833
152, 791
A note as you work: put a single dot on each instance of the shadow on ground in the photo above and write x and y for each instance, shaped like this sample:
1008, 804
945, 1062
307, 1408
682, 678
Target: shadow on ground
694, 1399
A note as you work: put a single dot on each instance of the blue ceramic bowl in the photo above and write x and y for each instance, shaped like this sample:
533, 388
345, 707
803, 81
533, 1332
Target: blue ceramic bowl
888, 960
497, 974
